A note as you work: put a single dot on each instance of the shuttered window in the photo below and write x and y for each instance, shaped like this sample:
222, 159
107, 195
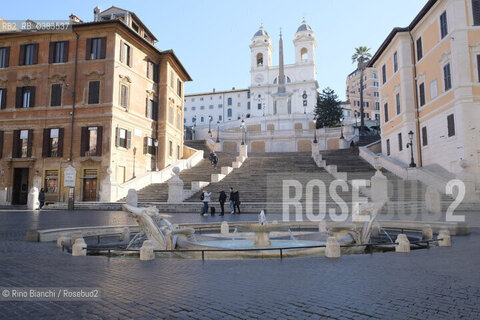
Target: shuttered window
25, 97
4, 57
400, 142
56, 95
2, 135
476, 12
443, 25
384, 74
385, 110
124, 96
447, 77
125, 54
397, 101
96, 48
93, 92
28, 54
421, 92
3, 98
123, 138
424, 136
22, 143
395, 62
388, 147
58, 52
53, 142
451, 125
91, 141
419, 49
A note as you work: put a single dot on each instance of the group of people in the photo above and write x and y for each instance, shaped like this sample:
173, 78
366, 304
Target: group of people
234, 200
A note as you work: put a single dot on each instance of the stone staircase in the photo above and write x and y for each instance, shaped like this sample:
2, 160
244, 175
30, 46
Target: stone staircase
364, 140
199, 145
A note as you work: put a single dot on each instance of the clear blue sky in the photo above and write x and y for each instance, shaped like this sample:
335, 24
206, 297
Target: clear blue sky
211, 37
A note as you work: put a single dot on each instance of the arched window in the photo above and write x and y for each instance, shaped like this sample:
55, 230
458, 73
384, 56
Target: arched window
229, 101
259, 59
304, 54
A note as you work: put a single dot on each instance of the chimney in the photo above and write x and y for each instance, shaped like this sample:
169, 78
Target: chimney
213, 89
74, 19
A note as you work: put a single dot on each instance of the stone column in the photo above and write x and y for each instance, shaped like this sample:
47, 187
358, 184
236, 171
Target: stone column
175, 187
32, 201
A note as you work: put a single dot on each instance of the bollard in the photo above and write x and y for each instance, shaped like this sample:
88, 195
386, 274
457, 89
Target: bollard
427, 232
444, 239
75, 236
63, 240
402, 244
79, 248
146, 251
333, 248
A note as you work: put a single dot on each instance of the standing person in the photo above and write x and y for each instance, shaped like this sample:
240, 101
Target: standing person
41, 197
206, 200
222, 198
215, 161
232, 201
236, 203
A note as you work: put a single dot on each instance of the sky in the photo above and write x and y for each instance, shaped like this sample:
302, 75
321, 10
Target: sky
212, 37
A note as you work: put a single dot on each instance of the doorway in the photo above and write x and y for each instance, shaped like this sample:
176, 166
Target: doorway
20, 186
90, 185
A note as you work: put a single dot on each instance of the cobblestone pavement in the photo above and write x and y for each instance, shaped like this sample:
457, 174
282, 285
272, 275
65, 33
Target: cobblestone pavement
440, 283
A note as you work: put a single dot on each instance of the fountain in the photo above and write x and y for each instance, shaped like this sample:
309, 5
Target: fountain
262, 230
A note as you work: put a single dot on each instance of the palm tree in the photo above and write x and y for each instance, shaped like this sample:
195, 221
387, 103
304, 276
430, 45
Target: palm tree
361, 56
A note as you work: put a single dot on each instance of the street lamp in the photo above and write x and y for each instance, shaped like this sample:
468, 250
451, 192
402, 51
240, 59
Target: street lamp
341, 128
315, 130
134, 153
410, 145
209, 122
155, 143
218, 131
242, 127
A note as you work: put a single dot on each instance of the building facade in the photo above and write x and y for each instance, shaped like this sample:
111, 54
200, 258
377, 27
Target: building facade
371, 95
97, 97
429, 85
258, 100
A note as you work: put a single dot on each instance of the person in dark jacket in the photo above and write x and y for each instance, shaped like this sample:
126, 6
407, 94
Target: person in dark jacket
222, 198
236, 201
232, 201
41, 197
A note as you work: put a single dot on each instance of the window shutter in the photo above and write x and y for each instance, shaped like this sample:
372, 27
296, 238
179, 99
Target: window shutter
129, 139
46, 143
7, 57
117, 136
3, 103
99, 140
424, 136
35, 53
18, 98
451, 125
155, 110
1, 144
156, 71
84, 141
146, 107
422, 94
476, 12
16, 138
145, 145
30, 143
65, 51
88, 49
122, 52
21, 56
90, 92
478, 66
104, 48
129, 56
61, 132
51, 54
32, 97
148, 69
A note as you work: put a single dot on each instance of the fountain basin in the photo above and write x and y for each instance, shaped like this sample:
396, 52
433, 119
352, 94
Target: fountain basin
262, 232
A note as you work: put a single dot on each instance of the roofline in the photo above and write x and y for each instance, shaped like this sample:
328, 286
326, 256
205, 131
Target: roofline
396, 30
171, 53
137, 18
216, 92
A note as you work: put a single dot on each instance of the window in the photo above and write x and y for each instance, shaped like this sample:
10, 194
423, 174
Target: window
397, 100
229, 113
375, 84
248, 94
3, 98
384, 74
179, 120
248, 105
259, 59
201, 99
433, 89
94, 92
123, 96
424, 136
238, 104
220, 106
96, 48
178, 152
51, 181
202, 119
443, 25
194, 108
202, 107
210, 107
91, 141
125, 54
179, 88
377, 105
478, 64
56, 95
385, 110
28, 54
419, 49
151, 109
476, 12
123, 138
304, 54
22, 143
447, 77
259, 106
229, 101
421, 92
388, 147
451, 125
172, 78
170, 148
220, 118
171, 115
25, 97
58, 52
376, 94
400, 143
52, 143
374, 76
4, 57
356, 103
395, 62
152, 72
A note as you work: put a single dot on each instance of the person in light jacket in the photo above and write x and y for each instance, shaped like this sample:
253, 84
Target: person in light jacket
206, 200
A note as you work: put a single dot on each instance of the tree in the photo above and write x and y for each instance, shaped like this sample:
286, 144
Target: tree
327, 111
361, 56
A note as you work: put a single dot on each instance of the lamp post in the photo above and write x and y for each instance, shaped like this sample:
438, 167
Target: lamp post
218, 131
242, 127
209, 122
315, 130
134, 153
155, 143
410, 145
341, 128
193, 127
